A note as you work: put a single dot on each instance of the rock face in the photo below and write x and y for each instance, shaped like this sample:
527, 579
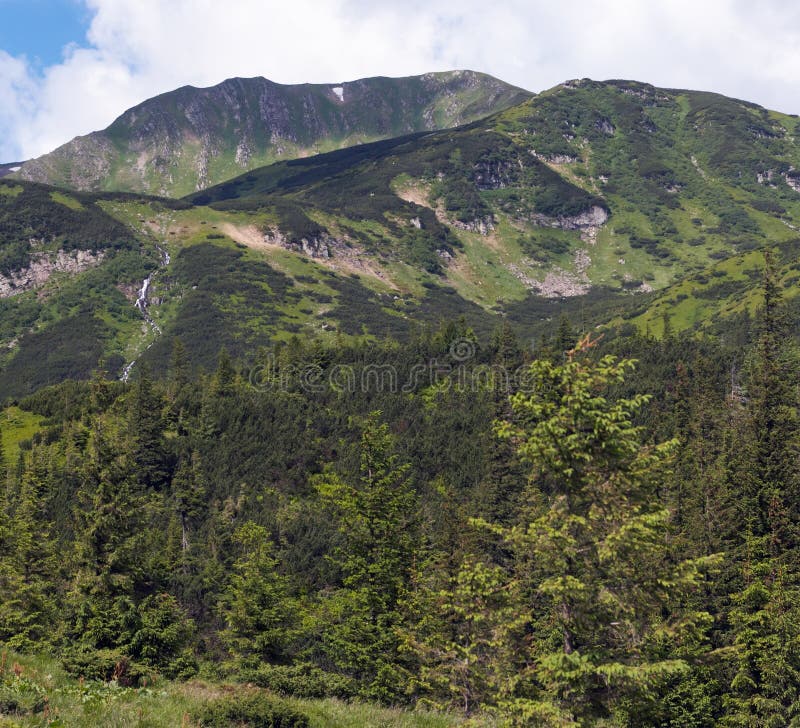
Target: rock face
493, 175
191, 138
318, 246
594, 217
42, 266
482, 225
792, 178
605, 126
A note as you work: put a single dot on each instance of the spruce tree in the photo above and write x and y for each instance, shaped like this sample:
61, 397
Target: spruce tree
375, 519
453, 633
110, 543
765, 623
565, 336
255, 606
602, 605
224, 381
774, 481
188, 496
146, 433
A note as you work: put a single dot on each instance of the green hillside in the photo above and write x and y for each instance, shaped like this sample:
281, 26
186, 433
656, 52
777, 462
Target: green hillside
590, 187
190, 138
614, 203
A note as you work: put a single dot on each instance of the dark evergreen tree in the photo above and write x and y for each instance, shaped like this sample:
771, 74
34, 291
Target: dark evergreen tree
146, 434
765, 612
224, 381
259, 616
565, 338
111, 538
375, 511
29, 575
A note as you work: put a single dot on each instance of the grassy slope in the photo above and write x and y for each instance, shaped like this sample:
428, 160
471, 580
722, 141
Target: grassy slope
730, 288
16, 425
679, 172
78, 704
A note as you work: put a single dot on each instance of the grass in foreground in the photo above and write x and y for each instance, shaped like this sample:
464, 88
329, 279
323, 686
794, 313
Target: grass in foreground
35, 692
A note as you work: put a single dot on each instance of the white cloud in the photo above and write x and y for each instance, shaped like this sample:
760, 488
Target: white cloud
18, 92
138, 48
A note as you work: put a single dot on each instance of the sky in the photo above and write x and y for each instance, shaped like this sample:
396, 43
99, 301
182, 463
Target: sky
68, 67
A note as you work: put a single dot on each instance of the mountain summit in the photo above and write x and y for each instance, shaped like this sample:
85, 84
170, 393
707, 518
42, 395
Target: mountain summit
191, 138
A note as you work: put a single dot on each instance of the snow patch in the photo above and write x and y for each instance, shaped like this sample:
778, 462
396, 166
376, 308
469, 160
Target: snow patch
14, 169
339, 91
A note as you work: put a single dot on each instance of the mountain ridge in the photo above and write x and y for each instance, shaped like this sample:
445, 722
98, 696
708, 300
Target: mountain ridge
190, 138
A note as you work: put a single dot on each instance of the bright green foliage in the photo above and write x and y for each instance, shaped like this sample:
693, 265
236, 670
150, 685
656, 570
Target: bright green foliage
375, 515
765, 617
603, 603
456, 636
28, 571
259, 615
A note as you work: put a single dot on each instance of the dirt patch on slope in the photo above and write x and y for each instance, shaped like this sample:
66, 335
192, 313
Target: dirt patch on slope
344, 258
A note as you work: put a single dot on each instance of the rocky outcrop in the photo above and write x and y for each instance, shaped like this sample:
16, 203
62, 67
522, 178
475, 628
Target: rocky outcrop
557, 283
317, 246
554, 158
605, 126
792, 178
594, 217
42, 266
481, 225
494, 175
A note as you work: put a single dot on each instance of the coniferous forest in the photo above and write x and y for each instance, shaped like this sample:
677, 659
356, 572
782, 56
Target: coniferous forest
609, 537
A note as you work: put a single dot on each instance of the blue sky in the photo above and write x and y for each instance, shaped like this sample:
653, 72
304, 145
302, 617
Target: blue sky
40, 29
68, 67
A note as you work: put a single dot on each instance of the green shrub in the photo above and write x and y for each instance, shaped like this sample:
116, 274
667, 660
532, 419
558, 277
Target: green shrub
254, 710
104, 665
163, 635
302, 681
